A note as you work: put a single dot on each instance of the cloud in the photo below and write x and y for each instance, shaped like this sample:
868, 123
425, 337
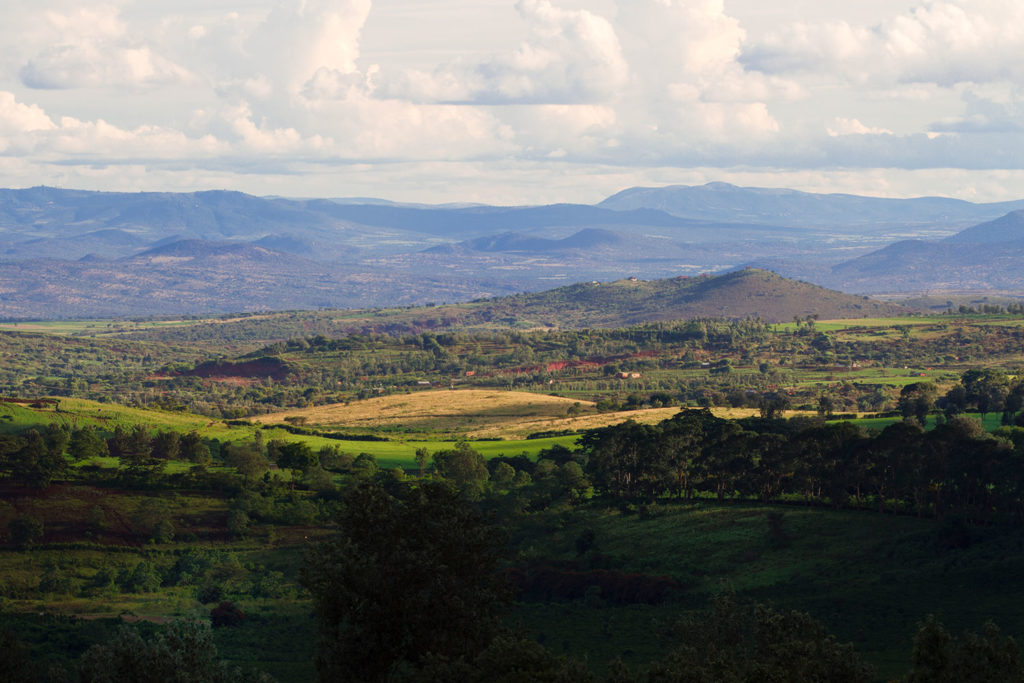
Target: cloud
844, 126
16, 117
945, 43
303, 41
991, 110
689, 93
573, 56
92, 47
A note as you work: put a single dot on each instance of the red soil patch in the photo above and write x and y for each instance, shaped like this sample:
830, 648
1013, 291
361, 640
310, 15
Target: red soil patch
273, 368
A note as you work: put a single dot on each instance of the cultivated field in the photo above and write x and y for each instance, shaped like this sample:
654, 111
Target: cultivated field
477, 413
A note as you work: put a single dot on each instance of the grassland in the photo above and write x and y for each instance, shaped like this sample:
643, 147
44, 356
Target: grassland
869, 578
398, 451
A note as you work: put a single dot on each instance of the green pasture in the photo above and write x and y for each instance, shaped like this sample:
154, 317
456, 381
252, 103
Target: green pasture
871, 578
992, 421
852, 323
92, 328
105, 416
913, 321
403, 453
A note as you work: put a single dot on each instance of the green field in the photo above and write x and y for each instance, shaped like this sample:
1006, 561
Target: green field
870, 578
398, 453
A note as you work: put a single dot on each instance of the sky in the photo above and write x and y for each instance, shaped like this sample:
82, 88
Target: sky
513, 101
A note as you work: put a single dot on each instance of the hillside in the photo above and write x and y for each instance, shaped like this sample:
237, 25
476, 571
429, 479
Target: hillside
983, 257
736, 295
1009, 228
740, 294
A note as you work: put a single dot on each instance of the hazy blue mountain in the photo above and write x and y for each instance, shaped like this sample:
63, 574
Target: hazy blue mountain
590, 238
729, 203
114, 253
1009, 228
985, 256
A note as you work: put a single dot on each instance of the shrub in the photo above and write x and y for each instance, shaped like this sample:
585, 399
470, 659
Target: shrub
209, 593
25, 530
163, 532
238, 523
226, 614
142, 578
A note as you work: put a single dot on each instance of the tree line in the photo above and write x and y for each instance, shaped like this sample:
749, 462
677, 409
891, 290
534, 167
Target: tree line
956, 467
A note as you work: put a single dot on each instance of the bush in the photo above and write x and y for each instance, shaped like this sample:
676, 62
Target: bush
226, 614
56, 581
143, 578
163, 532
238, 523
25, 530
209, 593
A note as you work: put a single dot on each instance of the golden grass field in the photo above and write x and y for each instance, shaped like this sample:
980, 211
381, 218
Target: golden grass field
479, 413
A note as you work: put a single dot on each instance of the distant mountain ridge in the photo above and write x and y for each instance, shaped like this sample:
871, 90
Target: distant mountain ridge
725, 202
589, 238
1008, 228
985, 256
74, 253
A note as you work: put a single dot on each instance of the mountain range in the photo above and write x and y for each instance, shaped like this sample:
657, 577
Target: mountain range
73, 253
987, 256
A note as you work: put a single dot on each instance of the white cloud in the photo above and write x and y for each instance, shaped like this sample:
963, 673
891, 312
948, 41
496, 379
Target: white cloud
91, 47
16, 118
302, 40
573, 56
844, 126
940, 42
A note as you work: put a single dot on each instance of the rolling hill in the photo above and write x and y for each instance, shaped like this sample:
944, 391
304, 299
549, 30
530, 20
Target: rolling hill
736, 295
983, 257
739, 294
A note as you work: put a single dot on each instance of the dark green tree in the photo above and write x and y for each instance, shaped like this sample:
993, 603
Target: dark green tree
86, 443
38, 463
464, 467
739, 644
25, 530
183, 652
406, 579
938, 657
917, 400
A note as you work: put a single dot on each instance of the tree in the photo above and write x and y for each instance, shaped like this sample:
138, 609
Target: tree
166, 446
406, 578
422, 457
734, 643
938, 657
505, 660
135, 450
296, 456
194, 448
25, 530
38, 463
826, 406
86, 443
247, 459
985, 388
183, 652
464, 467
16, 659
